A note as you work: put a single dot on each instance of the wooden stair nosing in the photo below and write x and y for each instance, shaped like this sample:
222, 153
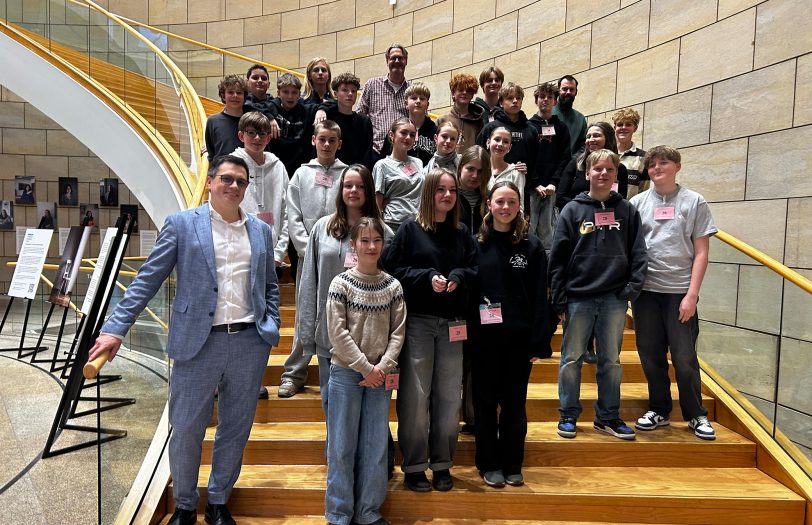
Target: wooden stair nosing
698, 495
303, 444
542, 404
286, 341
543, 371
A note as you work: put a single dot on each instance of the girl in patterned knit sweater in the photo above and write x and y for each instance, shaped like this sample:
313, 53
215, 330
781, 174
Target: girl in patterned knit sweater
366, 322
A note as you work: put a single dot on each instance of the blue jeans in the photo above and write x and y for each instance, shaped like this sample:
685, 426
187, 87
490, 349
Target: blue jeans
429, 395
357, 430
606, 317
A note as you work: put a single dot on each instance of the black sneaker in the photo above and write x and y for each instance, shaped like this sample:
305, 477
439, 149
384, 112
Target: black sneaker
442, 480
417, 482
615, 427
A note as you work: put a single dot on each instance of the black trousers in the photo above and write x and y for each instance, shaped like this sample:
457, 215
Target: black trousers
658, 330
500, 377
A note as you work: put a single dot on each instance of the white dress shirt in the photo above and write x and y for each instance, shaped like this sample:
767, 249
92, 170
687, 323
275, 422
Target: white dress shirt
232, 257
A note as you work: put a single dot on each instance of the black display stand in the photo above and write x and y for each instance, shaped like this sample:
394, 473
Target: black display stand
86, 335
22, 350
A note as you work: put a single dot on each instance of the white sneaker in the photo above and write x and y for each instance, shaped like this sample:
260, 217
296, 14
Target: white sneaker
702, 428
651, 420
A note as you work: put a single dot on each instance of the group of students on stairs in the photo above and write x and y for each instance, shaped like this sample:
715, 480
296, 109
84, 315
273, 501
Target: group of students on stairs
442, 268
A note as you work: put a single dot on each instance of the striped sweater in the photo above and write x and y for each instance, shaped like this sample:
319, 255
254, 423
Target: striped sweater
366, 321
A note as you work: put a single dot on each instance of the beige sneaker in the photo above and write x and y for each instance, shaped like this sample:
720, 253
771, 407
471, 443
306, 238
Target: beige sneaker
287, 389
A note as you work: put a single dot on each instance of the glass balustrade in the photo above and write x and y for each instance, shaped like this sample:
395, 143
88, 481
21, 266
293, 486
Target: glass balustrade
122, 61
756, 333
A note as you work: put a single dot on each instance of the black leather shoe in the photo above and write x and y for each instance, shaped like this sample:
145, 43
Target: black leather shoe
263, 392
218, 515
183, 517
417, 482
442, 480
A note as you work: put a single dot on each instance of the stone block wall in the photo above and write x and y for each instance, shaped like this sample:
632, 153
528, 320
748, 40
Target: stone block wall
31, 144
726, 81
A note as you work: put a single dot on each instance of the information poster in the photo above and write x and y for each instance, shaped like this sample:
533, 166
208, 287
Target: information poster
63, 239
148, 240
104, 252
33, 252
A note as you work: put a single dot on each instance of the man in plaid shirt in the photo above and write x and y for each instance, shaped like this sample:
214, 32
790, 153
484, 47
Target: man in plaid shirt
384, 98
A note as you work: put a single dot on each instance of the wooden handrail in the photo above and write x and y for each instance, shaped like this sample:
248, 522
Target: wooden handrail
784, 271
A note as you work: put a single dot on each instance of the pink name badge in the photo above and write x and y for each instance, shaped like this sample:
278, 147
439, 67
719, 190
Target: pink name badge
392, 380
408, 169
322, 179
614, 187
547, 131
490, 314
457, 331
266, 217
351, 260
663, 213
604, 218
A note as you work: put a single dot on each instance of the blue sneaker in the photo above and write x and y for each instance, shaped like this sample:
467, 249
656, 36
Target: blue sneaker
614, 427
566, 427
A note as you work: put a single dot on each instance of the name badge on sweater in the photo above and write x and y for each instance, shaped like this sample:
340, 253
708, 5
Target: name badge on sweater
351, 260
457, 331
604, 218
490, 313
615, 187
322, 179
663, 213
547, 131
408, 169
266, 217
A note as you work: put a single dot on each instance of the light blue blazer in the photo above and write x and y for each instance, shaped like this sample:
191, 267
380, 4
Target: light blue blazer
185, 243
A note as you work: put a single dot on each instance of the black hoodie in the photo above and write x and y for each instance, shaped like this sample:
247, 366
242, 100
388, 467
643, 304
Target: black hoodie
553, 152
587, 261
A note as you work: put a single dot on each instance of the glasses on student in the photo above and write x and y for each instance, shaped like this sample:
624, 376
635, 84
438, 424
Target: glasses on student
255, 134
262, 78
228, 180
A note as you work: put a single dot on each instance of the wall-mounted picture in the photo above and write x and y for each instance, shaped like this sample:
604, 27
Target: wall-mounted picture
24, 190
68, 191
46, 211
89, 216
108, 192
132, 211
6, 215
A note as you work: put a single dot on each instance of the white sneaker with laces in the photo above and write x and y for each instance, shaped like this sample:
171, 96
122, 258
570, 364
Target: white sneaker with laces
702, 428
651, 420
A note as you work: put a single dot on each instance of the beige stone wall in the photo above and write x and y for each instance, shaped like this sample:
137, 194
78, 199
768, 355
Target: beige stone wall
31, 144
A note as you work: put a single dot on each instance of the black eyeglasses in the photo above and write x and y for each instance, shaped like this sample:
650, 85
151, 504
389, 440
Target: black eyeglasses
255, 134
228, 180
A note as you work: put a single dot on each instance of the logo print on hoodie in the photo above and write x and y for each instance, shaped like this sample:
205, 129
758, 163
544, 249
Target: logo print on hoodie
588, 227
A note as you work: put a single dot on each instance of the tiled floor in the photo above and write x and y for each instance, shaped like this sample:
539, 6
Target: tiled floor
63, 489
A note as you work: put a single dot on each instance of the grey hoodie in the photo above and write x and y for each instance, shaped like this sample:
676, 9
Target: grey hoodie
308, 201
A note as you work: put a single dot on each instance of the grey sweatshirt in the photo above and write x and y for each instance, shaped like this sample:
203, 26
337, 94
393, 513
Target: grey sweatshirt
309, 201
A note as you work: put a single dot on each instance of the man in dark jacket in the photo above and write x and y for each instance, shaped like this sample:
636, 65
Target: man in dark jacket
597, 264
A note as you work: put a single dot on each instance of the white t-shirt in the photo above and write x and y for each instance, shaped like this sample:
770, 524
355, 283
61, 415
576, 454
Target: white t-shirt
670, 241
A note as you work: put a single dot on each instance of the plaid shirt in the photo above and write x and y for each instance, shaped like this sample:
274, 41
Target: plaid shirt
383, 106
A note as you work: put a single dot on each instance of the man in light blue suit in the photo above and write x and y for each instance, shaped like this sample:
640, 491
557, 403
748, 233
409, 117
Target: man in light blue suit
225, 319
